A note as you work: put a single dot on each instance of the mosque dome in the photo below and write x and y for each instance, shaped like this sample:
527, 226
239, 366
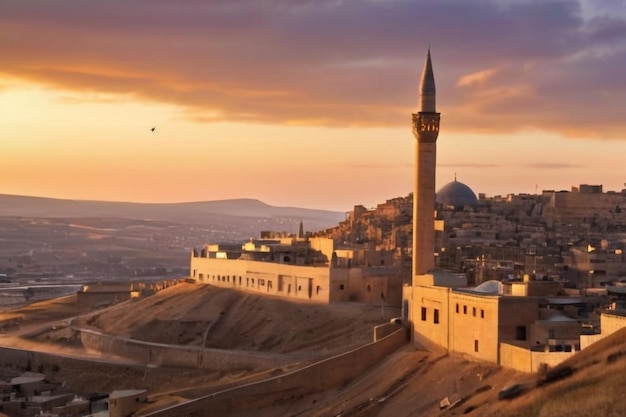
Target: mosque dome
489, 287
456, 194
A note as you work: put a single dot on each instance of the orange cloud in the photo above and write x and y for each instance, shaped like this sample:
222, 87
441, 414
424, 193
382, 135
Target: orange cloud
476, 78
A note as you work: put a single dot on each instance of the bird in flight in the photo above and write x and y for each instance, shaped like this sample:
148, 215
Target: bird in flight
153, 128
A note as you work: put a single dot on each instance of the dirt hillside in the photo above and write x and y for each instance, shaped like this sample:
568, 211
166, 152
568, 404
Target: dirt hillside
194, 314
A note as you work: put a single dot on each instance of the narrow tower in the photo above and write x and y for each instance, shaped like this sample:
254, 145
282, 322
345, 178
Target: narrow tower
425, 130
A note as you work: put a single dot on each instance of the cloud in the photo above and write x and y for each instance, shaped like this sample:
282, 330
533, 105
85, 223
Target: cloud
553, 65
475, 78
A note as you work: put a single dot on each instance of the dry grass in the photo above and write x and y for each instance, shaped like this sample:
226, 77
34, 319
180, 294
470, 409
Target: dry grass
596, 388
202, 315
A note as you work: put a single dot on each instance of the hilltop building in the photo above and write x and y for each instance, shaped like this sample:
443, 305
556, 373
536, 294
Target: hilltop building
524, 324
510, 279
301, 268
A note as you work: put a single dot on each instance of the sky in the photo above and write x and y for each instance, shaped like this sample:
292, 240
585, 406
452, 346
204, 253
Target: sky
306, 103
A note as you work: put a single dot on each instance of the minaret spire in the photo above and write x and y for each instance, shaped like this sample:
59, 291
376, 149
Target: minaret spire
426, 131
427, 87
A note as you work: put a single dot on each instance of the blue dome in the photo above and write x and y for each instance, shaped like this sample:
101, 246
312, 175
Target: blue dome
456, 194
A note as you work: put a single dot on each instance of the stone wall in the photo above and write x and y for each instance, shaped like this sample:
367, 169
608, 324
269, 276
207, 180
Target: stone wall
609, 324
383, 330
319, 284
429, 312
329, 373
181, 356
474, 325
523, 359
306, 283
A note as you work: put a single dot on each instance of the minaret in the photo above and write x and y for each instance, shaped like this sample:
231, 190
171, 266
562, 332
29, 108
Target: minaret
425, 130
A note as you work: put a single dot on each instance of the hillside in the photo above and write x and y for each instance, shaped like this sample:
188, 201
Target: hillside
199, 212
196, 315
51, 239
409, 382
412, 383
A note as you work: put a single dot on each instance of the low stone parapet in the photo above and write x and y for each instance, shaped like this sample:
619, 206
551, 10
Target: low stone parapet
329, 373
158, 354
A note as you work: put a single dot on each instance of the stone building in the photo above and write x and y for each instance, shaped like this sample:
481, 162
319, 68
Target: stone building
512, 324
305, 269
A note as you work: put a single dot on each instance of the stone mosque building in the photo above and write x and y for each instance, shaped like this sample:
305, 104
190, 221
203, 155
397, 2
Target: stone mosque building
442, 312
514, 329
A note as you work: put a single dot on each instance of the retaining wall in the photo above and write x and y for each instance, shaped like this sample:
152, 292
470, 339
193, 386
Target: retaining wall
326, 374
181, 356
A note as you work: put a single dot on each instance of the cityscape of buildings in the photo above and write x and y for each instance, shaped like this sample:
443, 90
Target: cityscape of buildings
523, 281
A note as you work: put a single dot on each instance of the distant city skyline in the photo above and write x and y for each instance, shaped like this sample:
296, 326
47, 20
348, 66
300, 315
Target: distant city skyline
308, 103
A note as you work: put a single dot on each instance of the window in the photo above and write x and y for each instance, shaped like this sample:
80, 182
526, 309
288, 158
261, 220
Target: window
369, 288
341, 286
464, 309
436, 316
474, 311
423, 313
520, 333
261, 281
457, 307
475, 345
482, 313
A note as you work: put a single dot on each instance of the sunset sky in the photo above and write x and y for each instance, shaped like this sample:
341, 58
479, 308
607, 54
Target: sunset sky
306, 103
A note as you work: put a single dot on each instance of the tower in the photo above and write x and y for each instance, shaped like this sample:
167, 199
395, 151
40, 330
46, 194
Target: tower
425, 130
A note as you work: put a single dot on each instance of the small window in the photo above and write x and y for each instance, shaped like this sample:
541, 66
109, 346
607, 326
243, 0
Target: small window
423, 313
464, 309
341, 286
520, 333
474, 311
482, 313
436, 316
369, 288
475, 345
457, 307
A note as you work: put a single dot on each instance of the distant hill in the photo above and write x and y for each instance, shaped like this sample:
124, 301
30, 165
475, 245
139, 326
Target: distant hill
190, 212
